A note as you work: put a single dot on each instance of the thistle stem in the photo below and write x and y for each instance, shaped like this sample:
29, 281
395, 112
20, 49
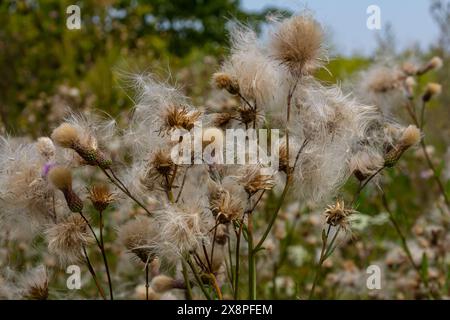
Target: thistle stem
105, 260
321, 260
198, 279
93, 274
119, 184
251, 260
186, 280
147, 285
238, 247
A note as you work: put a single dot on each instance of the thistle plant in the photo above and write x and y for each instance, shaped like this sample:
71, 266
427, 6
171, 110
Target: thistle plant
193, 226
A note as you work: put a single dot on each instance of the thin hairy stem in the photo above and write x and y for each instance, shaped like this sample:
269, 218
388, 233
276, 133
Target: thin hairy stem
93, 274
105, 260
427, 156
183, 182
238, 246
325, 236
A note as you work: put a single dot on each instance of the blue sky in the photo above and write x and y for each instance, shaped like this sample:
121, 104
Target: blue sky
346, 20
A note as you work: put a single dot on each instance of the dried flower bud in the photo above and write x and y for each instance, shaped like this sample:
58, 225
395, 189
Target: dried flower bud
100, 197
67, 136
179, 117
35, 284
410, 136
222, 205
433, 89
253, 180
225, 81
434, 64
61, 178
338, 215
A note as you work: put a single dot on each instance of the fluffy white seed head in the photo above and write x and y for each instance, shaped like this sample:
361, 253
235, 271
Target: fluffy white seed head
67, 238
297, 42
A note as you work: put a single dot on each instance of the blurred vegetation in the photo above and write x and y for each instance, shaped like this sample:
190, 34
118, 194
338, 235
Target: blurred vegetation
41, 58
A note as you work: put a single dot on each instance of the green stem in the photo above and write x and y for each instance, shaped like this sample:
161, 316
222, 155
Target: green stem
198, 279
238, 247
187, 282
93, 274
251, 260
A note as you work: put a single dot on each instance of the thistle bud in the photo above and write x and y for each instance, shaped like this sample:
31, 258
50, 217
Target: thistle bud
61, 178
68, 136
433, 89
100, 197
410, 137
434, 64
93, 157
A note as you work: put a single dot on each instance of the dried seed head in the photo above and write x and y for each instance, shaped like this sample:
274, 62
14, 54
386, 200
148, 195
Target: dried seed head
66, 135
179, 117
224, 81
433, 89
35, 284
253, 180
100, 196
338, 215
383, 79
162, 162
223, 207
46, 148
249, 115
298, 44
138, 236
67, 239
61, 178
222, 119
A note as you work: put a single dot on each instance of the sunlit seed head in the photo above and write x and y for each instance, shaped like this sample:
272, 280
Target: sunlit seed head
100, 196
66, 135
297, 43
